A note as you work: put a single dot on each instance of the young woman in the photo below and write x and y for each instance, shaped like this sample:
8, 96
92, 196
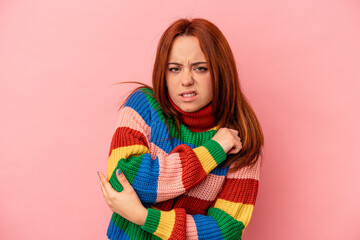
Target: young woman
184, 160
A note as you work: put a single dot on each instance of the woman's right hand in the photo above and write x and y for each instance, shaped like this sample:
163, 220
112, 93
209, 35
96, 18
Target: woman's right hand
229, 140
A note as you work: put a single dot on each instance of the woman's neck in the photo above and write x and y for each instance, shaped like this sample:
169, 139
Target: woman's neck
198, 121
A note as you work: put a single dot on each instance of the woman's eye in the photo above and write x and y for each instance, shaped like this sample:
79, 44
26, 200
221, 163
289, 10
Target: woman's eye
201, 69
174, 69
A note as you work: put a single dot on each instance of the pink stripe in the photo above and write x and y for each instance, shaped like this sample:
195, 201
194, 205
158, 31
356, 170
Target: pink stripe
247, 172
130, 118
191, 232
170, 182
203, 192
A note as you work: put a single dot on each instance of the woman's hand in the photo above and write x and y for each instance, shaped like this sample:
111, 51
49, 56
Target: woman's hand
229, 140
126, 203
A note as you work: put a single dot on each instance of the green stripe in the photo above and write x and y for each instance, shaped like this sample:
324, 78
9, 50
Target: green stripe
187, 136
133, 230
229, 227
129, 168
152, 220
216, 151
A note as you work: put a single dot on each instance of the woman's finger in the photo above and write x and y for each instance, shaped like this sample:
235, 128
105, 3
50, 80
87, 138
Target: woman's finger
102, 187
102, 179
105, 185
106, 198
122, 179
104, 193
236, 132
237, 147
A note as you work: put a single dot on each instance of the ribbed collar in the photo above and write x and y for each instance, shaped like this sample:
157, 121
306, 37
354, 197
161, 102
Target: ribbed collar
198, 121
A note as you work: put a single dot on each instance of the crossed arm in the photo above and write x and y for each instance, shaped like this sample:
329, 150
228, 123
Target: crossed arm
226, 219
155, 174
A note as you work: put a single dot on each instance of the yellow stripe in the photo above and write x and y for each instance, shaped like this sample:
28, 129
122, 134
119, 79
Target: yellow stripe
167, 219
239, 211
123, 152
205, 158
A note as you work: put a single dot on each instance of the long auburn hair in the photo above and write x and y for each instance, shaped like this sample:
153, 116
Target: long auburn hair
230, 106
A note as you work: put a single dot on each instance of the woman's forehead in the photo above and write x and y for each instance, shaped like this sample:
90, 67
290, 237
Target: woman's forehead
186, 49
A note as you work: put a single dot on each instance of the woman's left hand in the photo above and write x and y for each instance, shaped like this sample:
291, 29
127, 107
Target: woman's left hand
126, 203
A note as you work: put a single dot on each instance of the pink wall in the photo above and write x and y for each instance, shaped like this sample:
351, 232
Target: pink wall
299, 65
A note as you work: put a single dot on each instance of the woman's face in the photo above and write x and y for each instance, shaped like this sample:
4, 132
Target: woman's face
187, 76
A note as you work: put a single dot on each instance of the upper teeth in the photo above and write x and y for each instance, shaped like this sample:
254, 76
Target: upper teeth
189, 94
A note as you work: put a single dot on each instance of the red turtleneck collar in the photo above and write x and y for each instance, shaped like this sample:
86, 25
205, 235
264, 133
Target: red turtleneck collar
198, 121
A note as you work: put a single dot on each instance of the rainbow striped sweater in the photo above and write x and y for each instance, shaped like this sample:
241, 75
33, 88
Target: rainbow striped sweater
180, 180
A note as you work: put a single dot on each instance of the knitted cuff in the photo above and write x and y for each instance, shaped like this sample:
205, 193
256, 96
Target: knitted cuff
210, 155
152, 220
216, 151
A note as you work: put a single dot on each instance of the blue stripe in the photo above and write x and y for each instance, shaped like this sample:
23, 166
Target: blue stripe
114, 232
220, 171
207, 227
146, 180
140, 104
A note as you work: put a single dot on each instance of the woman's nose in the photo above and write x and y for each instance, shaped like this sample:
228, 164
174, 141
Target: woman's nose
187, 79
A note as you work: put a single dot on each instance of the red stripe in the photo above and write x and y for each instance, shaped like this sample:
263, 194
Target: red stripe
192, 170
192, 205
125, 136
240, 190
179, 230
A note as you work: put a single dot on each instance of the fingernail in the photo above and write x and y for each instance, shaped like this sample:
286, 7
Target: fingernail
118, 172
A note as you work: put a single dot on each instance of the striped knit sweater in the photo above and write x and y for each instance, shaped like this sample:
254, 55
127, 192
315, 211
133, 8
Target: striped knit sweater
179, 180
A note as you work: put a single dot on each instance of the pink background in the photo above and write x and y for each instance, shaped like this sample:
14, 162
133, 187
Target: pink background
299, 66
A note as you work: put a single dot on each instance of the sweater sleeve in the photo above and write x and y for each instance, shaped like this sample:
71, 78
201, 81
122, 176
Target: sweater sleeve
226, 219
154, 174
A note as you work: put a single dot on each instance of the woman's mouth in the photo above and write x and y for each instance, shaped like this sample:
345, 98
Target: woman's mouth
188, 94
188, 97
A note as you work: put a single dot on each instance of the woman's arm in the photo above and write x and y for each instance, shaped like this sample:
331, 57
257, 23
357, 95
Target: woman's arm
227, 218
168, 175
157, 175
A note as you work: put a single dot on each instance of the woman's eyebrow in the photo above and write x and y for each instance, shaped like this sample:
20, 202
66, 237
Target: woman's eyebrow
192, 64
